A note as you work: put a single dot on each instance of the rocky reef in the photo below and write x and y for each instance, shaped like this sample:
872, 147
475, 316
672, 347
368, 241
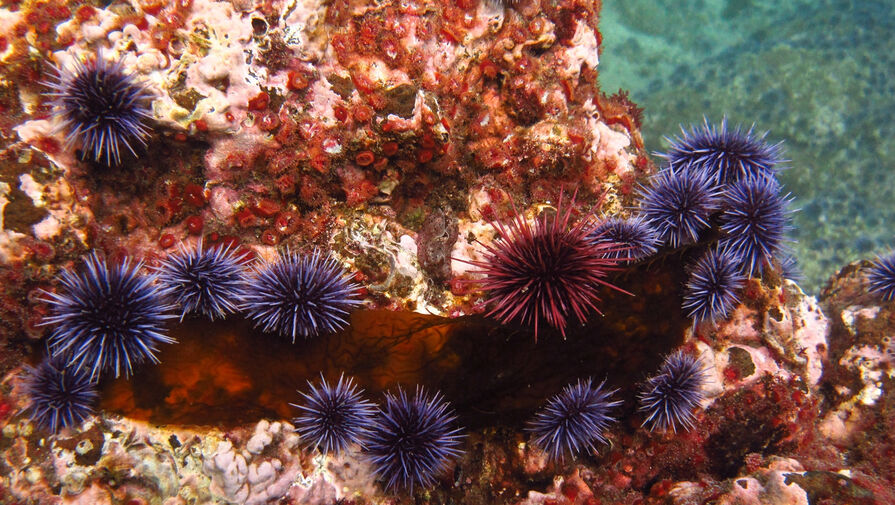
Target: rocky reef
396, 137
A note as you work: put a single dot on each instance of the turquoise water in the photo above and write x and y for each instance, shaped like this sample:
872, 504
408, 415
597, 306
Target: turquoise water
819, 75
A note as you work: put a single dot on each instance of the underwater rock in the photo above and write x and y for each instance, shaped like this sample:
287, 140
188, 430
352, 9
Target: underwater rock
391, 135
337, 124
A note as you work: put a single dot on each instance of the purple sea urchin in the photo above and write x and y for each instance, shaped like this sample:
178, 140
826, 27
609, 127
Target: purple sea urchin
633, 237
334, 416
714, 285
669, 397
207, 281
413, 439
882, 277
59, 396
102, 108
300, 295
677, 204
573, 420
755, 219
725, 155
545, 273
107, 318
789, 266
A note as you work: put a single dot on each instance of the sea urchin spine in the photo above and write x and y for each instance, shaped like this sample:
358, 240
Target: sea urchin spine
714, 285
669, 397
334, 416
300, 295
413, 439
755, 219
634, 238
59, 396
207, 281
882, 277
573, 420
102, 108
545, 273
678, 204
107, 318
725, 155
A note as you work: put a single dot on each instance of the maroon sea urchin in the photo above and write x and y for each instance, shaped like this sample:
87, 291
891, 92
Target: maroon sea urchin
545, 272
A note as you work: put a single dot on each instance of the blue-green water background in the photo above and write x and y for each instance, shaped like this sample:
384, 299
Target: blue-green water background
817, 74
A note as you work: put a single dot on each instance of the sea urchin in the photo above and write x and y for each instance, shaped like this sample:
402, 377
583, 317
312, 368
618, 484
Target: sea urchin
545, 273
59, 396
573, 420
300, 295
669, 397
678, 204
634, 238
107, 318
755, 219
714, 285
882, 277
207, 281
725, 155
334, 416
102, 108
413, 439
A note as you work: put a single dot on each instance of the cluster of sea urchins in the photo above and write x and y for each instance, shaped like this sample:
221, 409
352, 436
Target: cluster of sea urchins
719, 191
575, 419
106, 319
409, 441
718, 194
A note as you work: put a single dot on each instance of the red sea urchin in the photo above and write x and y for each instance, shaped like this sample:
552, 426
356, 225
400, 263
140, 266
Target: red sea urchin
545, 272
